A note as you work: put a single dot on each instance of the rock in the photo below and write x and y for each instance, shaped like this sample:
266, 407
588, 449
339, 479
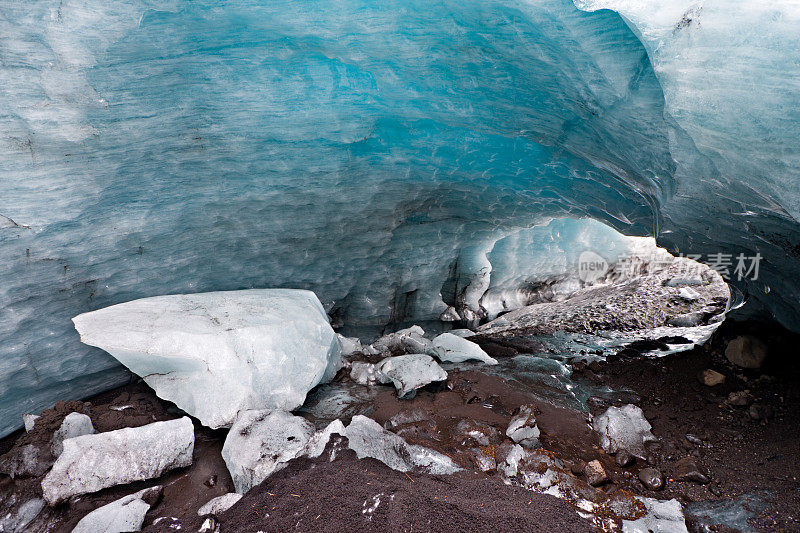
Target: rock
623, 458
688, 320
687, 470
368, 439
92, 462
215, 354
261, 442
759, 411
651, 478
663, 516
741, 398
409, 372
746, 351
363, 373
451, 348
17, 522
710, 378
405, 341
74, 425
623, 428
219, 504
29, 421
595, 473
523, 429
125, 514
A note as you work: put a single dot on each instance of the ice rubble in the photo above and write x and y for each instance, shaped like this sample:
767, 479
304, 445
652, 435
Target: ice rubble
214, 354
93, 462
409, 372
261, 442
124, 514
623, 428
411, 170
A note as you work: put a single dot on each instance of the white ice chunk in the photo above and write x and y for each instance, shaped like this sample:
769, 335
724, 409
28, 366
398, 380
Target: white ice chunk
261, 442
409, 372
29, 421
409, 340
623, 428
219, 504
15, 522
363, 373
125, 514
523, 429
350, 345
663, 516
368, 439
451, 348
74, 425
93, 462
215, 354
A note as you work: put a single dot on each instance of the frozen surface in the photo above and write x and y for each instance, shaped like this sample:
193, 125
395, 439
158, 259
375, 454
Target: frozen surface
214, 354
403, 160
93, 462
219, 504
663, 516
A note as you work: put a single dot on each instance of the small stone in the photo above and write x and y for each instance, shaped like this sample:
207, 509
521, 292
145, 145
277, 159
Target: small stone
651, 478
578, 468
697, 441
623, 458
741, 398
687, 470
760, 412
595, 473
746, 351
710, 378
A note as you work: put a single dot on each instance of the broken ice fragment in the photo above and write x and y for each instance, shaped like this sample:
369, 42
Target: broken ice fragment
623, 428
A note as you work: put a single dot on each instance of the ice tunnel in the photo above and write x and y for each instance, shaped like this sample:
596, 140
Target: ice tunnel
379, 154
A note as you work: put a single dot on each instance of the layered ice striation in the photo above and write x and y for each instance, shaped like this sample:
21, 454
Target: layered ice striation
403, 160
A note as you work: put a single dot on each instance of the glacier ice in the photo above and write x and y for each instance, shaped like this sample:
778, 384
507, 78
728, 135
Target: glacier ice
119, 516
93, 462
261, 442
409, 372
405, 161
454, 349
623, 428
215, 354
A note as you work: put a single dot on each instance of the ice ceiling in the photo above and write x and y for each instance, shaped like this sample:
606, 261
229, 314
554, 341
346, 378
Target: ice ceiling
382, 154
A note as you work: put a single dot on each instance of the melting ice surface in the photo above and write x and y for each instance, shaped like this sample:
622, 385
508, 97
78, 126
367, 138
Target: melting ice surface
397, 158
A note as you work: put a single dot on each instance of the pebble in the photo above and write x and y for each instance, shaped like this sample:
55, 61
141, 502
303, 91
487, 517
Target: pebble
687, 470
578, 468
623, 458
651, 478
710, 378
760, 412
741, 398
595, 473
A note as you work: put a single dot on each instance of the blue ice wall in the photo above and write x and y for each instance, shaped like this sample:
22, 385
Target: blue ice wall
372, 152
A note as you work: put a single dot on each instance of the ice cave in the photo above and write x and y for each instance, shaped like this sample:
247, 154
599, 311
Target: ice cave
216, 208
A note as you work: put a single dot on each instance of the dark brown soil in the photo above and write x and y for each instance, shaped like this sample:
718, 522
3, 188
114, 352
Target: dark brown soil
739, 454
349, 494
